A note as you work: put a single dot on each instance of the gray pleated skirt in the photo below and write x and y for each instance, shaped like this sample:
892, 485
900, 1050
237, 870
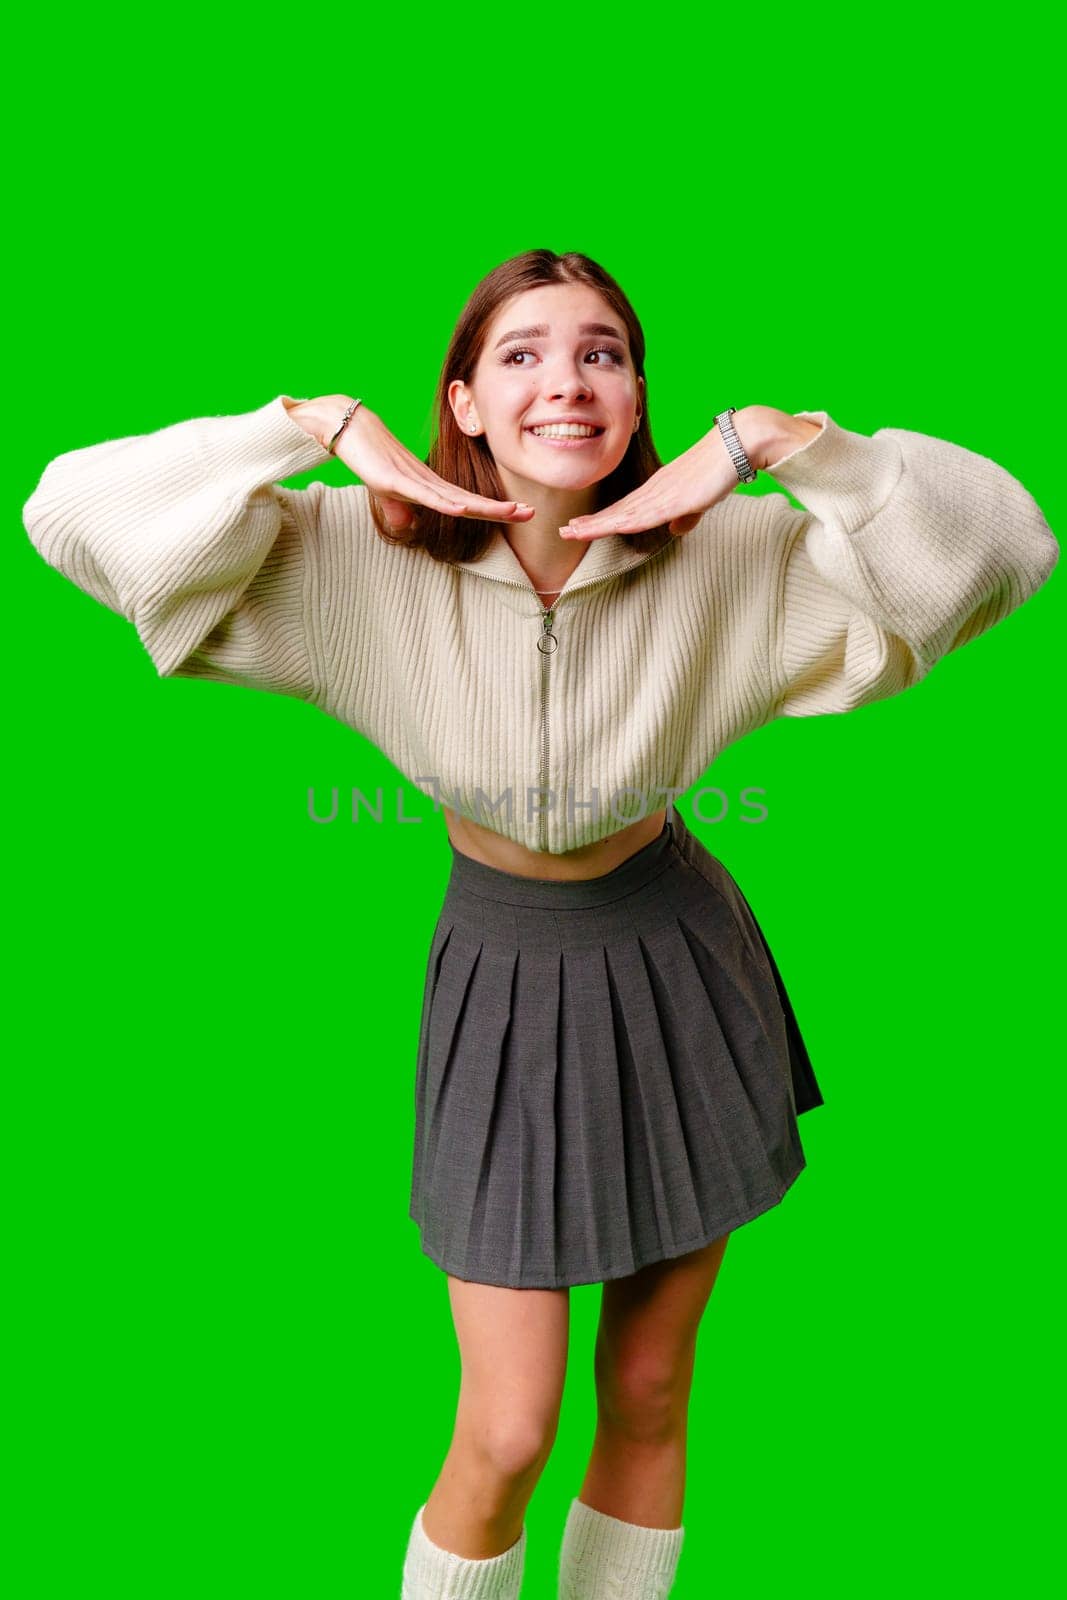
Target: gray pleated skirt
609, 1070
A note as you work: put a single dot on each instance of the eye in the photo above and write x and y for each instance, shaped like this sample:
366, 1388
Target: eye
617, 358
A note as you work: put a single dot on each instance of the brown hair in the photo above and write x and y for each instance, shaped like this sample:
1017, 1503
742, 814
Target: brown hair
468, 462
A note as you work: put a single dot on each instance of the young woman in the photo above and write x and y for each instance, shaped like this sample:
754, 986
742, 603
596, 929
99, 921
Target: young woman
560, 633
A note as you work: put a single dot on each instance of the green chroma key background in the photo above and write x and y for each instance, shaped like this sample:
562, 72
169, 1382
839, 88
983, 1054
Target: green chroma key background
232, 1371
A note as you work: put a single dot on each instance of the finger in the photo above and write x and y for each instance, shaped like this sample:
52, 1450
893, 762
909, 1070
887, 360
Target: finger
398, 514
679, 525
402, 513
584, 537
447, 497
478, 504
495, 510
635, 512
404, 506
599, 527
457, 502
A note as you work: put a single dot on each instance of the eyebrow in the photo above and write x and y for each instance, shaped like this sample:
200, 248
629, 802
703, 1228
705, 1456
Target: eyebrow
605, 329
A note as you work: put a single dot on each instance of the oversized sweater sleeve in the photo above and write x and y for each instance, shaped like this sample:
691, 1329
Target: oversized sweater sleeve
186, 533
909, 546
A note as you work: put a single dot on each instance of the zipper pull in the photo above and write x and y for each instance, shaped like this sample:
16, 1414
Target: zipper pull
548, 641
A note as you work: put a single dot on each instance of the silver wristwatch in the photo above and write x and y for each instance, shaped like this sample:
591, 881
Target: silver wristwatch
745, 470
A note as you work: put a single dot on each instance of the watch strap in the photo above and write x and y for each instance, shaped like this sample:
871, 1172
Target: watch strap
746, 472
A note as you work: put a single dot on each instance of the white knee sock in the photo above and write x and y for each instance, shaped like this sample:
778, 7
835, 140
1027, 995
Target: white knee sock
602, 1557
431, 1573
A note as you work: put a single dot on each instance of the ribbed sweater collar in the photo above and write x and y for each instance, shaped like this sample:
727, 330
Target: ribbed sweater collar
603, 558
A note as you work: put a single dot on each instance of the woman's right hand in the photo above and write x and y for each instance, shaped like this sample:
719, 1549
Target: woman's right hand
395, 477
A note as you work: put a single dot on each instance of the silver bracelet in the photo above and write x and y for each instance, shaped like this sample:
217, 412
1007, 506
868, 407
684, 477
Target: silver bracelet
344, 424
745, 470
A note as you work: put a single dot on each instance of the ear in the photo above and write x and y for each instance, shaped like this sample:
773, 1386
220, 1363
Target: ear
641, 396
462, 403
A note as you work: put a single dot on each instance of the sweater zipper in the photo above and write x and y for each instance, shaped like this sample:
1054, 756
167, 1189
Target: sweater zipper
547, 645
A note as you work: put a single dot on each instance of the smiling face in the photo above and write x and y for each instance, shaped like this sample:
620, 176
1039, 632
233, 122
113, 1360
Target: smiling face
558, 353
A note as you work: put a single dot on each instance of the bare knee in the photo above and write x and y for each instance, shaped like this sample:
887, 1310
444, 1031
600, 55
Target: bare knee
510, 1446
642, 1396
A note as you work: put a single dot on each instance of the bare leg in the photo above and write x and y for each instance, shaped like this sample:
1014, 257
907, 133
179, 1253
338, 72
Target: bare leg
645, 1351
513, 1352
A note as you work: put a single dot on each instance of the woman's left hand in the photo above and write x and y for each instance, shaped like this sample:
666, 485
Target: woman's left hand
680, 492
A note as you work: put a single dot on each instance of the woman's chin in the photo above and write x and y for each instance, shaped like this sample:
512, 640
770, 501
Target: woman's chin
565, 479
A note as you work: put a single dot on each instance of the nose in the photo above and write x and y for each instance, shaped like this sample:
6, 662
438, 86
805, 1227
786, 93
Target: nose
567, 382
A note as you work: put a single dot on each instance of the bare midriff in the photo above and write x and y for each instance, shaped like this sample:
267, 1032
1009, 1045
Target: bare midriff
588, 861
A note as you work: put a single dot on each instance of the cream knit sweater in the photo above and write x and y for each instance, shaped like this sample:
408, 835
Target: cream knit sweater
909, 547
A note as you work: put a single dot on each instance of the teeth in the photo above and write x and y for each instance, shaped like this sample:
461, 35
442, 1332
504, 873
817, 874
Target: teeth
564, 430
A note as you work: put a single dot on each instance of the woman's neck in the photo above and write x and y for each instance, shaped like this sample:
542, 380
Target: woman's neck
544, 555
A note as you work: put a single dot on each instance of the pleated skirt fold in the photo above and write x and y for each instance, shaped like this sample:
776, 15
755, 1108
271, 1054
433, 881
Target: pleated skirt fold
609, 1070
